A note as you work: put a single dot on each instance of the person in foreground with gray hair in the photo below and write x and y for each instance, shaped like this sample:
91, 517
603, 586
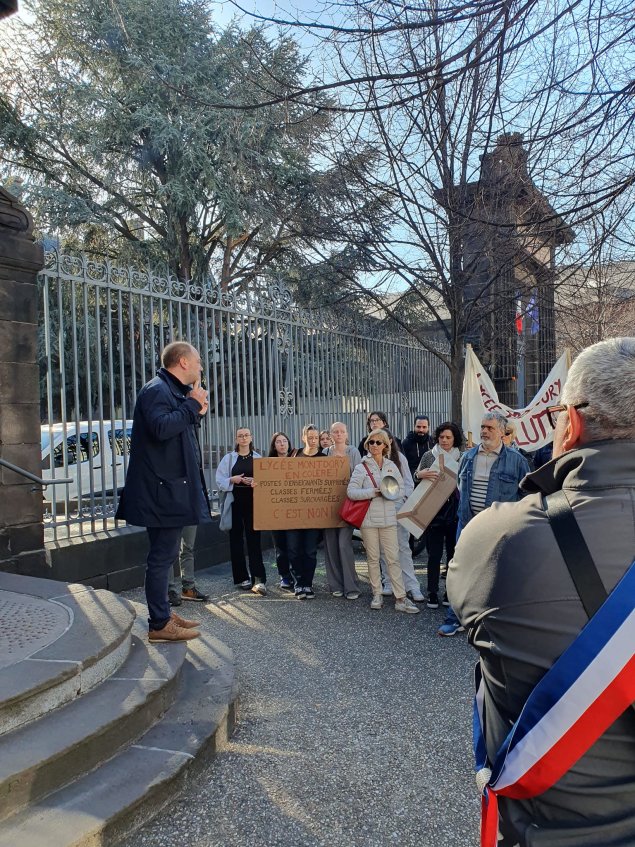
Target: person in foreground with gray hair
488, 473
520, 595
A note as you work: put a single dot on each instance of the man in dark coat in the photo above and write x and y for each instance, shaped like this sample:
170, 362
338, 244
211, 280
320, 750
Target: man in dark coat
414, 445
165, 487
417, 442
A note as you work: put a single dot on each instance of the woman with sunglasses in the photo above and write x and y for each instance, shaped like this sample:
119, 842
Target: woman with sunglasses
280, 448
235, 473
379, 528
410, 581
302, 543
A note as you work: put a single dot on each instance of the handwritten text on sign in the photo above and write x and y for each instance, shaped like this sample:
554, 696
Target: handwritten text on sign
302, 493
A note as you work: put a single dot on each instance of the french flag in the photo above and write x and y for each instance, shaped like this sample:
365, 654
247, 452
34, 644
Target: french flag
577, 700
518, 320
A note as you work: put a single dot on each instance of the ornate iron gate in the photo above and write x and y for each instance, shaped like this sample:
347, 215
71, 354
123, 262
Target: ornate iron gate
268, 364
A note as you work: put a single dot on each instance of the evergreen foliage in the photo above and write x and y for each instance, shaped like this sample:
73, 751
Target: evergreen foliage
105, 113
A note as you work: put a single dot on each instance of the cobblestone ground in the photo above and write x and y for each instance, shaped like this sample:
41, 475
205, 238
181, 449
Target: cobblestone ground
354, 727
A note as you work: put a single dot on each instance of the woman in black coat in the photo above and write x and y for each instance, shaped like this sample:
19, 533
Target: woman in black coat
376, 420
235, 473
448, 441
302, 543
280, 448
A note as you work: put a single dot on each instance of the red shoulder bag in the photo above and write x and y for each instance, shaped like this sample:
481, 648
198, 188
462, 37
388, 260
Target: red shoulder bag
353, 512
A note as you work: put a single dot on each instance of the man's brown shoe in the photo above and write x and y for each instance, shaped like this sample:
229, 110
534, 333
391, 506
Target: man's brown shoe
179, 621
172, 632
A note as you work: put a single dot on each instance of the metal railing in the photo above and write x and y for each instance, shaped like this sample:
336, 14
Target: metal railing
28, 475
267, 364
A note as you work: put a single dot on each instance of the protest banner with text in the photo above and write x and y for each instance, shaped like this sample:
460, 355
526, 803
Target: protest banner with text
533, 429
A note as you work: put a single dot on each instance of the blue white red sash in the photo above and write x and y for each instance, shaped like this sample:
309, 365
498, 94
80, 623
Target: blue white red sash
575, 702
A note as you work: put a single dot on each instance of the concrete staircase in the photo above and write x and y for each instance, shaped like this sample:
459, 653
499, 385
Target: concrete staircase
98, 729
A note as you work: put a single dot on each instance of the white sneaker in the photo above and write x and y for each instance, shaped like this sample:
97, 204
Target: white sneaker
245, 584
259, 588
387, 590
377, 602
352, 595
337, 593
406, 606
416, 595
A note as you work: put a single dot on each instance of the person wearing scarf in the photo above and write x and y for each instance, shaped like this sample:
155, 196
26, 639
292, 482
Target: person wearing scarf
448, 441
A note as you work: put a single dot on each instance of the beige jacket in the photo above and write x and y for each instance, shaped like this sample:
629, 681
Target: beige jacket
382, 512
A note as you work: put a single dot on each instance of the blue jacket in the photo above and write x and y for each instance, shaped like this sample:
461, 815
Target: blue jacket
504, 479
165, 486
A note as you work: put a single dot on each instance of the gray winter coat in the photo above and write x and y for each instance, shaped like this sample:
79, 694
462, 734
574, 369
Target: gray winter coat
382, 512
511, 589
352, 454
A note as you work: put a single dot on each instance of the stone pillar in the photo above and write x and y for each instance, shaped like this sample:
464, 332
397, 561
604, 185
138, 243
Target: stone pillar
21, 507
8, 7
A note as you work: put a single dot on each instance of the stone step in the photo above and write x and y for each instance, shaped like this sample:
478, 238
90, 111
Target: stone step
107, 803
39, 758
59, 641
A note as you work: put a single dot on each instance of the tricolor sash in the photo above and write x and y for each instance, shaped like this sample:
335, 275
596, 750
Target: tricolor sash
576, 701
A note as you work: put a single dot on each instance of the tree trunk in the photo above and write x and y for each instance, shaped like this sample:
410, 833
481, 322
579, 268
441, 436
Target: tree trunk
185, 250
226, 266
457, 371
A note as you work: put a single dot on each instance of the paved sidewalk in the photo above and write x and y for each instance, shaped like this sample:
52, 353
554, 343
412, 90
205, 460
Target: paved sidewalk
354, 727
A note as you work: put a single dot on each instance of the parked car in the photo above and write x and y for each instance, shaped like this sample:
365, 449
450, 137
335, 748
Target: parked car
93, 457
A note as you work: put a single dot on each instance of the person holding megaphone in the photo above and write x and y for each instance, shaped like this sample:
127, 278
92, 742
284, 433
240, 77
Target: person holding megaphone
378, 479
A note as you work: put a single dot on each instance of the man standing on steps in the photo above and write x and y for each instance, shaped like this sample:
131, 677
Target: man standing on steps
165, 487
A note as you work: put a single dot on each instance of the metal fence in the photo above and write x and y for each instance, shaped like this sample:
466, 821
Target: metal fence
267, 363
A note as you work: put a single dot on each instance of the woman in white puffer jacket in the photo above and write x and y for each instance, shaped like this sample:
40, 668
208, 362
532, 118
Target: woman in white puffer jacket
379, 529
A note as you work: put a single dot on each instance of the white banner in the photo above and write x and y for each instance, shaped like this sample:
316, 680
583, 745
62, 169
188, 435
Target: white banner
533, 429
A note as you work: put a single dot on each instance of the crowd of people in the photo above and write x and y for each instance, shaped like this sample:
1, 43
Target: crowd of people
166, 492
388, 545
540, 571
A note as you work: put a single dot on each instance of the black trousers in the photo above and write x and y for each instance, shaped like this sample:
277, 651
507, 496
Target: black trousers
302, 552
436, 537
282, 556
243, 530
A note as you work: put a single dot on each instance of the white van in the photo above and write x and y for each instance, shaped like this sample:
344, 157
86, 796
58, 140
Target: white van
96, 456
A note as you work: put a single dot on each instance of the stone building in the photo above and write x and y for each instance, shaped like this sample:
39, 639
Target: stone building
21, 508
511, 233
8, 7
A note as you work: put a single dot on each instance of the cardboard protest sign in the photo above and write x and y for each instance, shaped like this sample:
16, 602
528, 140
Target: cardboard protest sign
424, 503
301, 493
